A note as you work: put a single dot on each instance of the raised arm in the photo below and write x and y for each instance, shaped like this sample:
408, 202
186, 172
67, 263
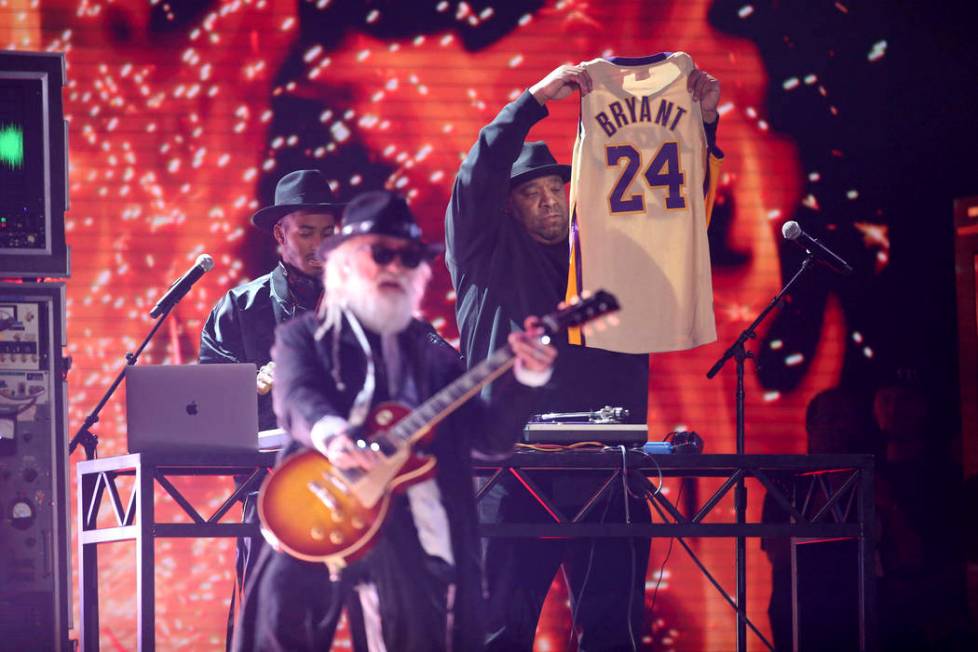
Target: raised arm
482, 185
705, 89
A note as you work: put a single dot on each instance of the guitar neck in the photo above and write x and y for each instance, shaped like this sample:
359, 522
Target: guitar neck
450, 398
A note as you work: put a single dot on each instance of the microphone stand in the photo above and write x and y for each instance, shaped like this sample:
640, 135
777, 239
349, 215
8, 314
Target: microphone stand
739, 352
85, 436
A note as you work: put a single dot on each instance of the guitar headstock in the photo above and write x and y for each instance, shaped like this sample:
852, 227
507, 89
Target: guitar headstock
578, 313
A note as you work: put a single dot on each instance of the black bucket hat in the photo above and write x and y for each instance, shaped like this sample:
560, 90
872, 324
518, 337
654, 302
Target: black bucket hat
295, 191
535, 160
379, 212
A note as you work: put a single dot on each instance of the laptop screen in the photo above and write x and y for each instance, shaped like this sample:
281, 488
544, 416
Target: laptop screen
192, 407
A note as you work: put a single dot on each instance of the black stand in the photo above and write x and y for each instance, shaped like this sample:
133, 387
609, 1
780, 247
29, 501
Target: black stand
85, 436
739, 352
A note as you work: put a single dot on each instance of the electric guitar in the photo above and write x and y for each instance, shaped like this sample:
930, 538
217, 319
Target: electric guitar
318, 512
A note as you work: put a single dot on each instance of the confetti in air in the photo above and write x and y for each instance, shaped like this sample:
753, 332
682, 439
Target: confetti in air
877, 52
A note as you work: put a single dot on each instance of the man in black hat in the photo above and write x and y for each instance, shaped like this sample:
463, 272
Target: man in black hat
420, 583
241, 326
506, 230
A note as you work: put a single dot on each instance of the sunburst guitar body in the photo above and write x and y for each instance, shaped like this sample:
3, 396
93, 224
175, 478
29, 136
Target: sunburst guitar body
316, 511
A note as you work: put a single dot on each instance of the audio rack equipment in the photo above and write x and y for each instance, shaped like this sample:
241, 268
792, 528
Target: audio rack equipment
35, 571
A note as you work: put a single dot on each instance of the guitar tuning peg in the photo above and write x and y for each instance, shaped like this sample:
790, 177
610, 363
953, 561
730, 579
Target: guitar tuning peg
600, 326
586, 294
575, 300
613, 320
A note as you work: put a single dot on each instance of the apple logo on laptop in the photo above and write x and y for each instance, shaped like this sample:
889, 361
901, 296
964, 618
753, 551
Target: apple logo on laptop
192, 408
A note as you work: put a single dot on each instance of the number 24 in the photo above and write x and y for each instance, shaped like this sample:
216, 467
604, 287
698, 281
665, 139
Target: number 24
663, 171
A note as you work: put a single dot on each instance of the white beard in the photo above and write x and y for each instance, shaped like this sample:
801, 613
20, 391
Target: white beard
384, 312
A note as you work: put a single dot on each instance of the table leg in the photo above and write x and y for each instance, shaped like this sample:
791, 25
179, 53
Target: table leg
87, 568
145, 559
867, 560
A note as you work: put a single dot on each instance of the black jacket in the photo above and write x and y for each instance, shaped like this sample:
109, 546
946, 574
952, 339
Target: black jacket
241, 327
306, 390
502, 275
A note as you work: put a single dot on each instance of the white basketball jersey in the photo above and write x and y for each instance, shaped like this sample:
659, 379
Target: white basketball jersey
639, 207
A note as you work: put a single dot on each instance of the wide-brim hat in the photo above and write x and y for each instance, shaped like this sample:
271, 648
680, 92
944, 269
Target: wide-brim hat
302, 189
379, 212
535, 160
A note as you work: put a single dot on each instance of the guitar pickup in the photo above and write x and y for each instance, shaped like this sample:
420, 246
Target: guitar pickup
322, 494
338, 484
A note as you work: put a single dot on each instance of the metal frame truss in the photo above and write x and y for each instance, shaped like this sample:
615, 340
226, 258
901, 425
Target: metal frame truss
135, 520
824, 497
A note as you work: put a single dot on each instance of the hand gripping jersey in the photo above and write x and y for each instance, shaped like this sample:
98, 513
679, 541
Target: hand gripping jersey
640, 199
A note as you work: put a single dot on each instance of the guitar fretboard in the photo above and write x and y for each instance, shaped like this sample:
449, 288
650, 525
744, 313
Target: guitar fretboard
446, 401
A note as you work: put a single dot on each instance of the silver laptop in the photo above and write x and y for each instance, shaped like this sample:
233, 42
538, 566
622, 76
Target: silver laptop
189, 408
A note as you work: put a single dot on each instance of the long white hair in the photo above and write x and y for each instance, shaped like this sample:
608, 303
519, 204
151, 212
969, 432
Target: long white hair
345, 291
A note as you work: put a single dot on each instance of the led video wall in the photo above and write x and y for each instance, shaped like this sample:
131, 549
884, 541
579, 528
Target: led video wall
183, 115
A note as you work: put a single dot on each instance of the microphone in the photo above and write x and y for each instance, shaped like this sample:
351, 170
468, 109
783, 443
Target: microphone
182, 285
792, 231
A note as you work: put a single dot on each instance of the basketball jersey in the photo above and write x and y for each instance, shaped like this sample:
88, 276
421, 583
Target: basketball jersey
640, 205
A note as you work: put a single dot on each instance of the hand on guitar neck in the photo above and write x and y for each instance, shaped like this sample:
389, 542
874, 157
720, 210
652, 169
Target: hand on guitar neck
529, 348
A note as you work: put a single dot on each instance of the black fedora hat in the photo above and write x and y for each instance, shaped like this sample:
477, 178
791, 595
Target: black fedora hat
378, 212
295, 191
535, 160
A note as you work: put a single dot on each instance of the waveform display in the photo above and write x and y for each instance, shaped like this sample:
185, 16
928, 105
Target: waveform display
11, 146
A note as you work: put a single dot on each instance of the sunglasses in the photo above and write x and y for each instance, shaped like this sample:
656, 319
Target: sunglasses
410, 257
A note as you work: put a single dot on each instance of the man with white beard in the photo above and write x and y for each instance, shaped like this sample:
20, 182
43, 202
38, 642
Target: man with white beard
420, 585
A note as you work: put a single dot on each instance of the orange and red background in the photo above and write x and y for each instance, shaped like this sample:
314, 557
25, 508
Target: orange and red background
184, 114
